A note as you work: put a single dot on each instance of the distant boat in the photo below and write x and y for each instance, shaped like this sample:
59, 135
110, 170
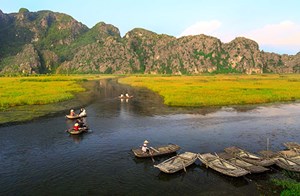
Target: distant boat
156, 151
81, 130
126, 97
177, 163
74, 117
221, 165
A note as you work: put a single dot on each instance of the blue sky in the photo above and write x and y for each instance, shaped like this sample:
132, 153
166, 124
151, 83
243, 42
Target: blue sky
273, 24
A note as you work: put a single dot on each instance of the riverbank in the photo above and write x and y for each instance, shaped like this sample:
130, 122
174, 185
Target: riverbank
27, 98
220, 90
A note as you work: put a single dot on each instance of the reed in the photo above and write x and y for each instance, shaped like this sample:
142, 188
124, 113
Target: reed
220, 90
37, 90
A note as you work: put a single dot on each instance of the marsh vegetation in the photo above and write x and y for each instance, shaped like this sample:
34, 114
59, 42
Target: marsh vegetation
220, 90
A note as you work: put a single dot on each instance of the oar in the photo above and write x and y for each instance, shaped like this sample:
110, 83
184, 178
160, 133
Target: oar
220, 159
152, 159
151, 156
183, 166
154, 149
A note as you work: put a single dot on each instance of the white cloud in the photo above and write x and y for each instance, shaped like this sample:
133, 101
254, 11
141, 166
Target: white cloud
202, 27
282, 37
286, 33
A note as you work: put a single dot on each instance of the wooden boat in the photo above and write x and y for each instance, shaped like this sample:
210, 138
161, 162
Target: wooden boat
74, 117
241, 163
287, 163
221, 165
81, 130
157, 151
292, 146
286, 159
249, 157
290, 155
126, 97
177, 163
268, 154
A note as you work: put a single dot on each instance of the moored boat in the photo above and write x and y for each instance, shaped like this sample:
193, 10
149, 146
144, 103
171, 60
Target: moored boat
292, 146
287, 164
243, 164
221, 165
177, 163
156, 151
285, 159
249, 157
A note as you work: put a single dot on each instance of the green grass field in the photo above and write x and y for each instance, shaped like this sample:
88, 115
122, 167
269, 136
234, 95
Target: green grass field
220, 90
18, 91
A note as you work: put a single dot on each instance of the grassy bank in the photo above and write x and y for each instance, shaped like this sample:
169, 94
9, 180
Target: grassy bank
220, 90
40, 90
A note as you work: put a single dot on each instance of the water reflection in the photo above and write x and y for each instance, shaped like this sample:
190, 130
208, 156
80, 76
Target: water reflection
76, 138
40, 158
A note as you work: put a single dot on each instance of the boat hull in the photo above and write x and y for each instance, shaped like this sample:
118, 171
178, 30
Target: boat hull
156, 151
221, 165
80, 131
74, 117
177, 163
249, 157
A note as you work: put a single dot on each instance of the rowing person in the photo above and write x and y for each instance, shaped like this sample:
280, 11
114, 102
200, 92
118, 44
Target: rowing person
145, 148
72, 113
82, 112
76, 127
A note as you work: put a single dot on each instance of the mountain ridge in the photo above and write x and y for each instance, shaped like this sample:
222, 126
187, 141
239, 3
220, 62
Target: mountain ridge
51, 42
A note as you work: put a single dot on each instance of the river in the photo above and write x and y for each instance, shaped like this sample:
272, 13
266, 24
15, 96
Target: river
39, 158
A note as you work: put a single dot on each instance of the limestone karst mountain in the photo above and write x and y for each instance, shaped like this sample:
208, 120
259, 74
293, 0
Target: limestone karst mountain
50, 42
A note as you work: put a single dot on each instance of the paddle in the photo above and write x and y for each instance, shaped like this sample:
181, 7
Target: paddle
151, 156
220, 159
152, 159
174, 159
68, 130
183, 166
154, 149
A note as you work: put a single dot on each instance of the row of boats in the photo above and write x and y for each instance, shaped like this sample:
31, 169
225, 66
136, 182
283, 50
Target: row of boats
233, 161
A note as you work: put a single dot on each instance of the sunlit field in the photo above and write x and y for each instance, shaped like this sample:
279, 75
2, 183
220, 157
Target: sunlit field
17, 91
220, 90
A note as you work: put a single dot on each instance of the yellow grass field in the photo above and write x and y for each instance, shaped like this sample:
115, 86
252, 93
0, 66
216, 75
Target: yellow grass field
37, 90
220, 90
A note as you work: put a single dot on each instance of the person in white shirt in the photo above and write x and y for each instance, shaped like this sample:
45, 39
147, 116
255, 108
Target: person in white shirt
82, 112
145, 148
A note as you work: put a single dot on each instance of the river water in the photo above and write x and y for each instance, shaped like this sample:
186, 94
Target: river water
40, 158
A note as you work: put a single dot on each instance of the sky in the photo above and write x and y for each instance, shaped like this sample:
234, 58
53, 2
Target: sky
273, 24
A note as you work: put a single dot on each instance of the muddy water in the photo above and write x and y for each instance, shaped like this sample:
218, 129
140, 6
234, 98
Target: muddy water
40, 158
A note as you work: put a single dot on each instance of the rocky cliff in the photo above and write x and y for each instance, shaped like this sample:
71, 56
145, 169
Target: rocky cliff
45, 41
